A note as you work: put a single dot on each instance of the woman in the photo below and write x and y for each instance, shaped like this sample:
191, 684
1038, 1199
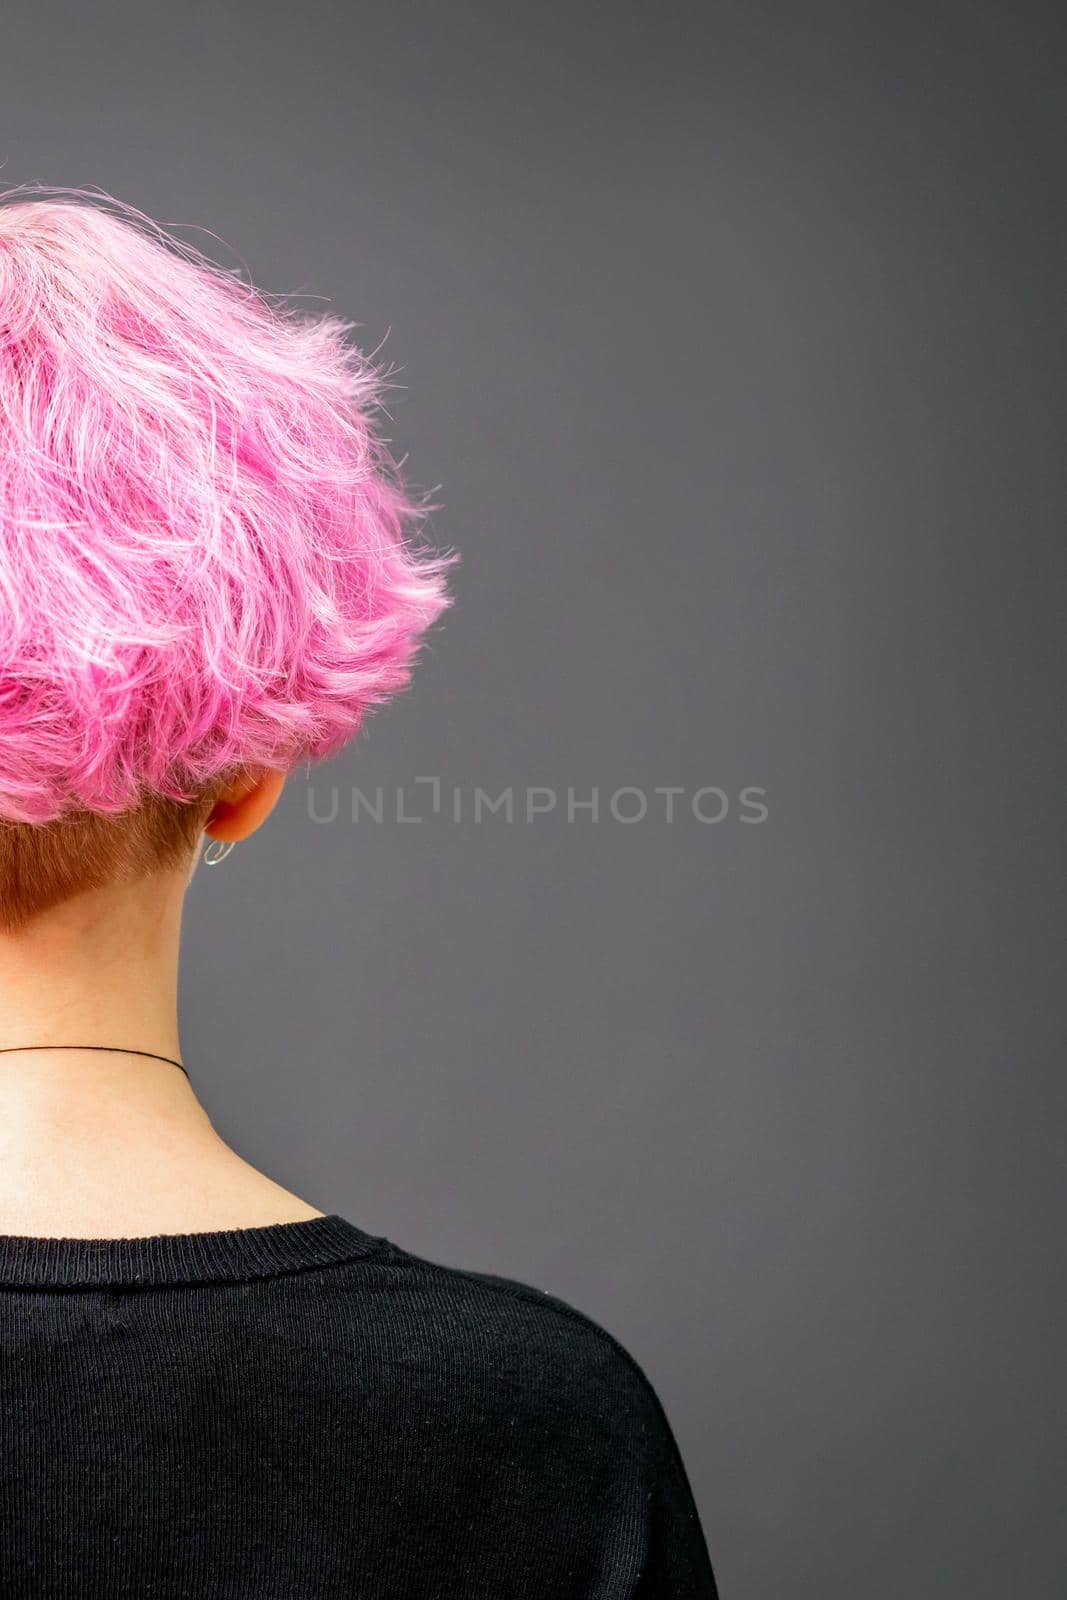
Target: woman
209, 1387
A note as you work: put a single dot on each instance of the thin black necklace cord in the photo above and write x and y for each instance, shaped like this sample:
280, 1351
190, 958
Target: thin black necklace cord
114, 1049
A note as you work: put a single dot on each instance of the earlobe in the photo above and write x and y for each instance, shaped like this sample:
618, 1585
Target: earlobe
246, 806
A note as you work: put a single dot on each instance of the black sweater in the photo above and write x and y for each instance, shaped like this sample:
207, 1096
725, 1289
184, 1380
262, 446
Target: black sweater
303, 1410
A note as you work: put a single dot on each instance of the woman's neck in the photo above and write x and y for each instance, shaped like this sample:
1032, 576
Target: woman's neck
101, 1145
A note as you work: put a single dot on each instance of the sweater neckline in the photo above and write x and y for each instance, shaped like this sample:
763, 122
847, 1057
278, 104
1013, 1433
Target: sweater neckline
232, 1255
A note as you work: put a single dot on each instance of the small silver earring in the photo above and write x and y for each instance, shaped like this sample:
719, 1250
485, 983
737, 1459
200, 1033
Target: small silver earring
217, 851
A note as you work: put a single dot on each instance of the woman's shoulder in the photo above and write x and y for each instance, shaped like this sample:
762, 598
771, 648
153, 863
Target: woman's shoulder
493, 1325
528, 1389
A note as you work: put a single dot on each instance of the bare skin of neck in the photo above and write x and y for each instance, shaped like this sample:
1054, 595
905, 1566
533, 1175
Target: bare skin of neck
94, 1145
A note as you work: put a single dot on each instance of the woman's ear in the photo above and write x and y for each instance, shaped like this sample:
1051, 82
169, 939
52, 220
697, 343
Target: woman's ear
247, 803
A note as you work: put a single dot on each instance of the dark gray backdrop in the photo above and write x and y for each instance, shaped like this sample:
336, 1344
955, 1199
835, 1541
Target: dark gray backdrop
731, 338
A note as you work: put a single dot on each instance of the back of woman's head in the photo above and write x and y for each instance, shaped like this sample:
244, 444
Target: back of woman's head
207, 554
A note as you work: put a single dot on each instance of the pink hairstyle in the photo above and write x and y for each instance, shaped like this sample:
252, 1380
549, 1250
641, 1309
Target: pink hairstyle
205, 557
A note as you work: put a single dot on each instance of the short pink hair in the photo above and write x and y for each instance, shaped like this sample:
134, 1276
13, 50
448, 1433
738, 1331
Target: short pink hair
206, 551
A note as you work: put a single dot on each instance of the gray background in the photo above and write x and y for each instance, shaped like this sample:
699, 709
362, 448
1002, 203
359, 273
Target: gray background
731, 339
